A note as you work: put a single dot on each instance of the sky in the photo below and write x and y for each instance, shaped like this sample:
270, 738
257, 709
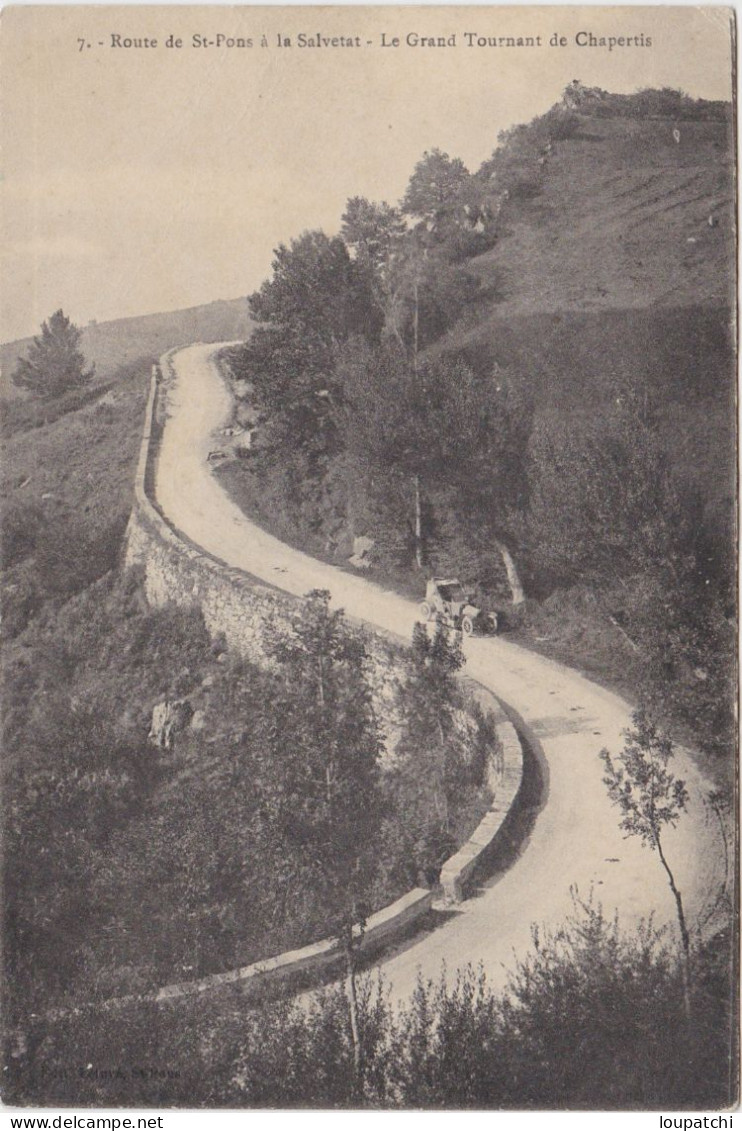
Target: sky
139, 179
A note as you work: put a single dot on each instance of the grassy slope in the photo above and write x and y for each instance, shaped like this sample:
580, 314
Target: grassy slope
612, 270
77, 472
85, 460
611, 227
70, 465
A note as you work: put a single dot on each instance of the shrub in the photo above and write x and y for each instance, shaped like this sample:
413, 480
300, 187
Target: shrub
20, 600
591, 1018
72, 554
21, 524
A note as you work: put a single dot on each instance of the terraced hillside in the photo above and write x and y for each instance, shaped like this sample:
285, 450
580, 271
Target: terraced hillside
625, 217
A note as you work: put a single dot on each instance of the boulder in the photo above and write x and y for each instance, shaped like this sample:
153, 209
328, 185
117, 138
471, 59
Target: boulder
198, 722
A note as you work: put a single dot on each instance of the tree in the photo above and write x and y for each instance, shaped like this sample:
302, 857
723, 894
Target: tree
601, 501
689, 644
371, 230
431, 757
423, 293
415, 288
592, 1018
315, 286
434, 188
377, 236
441, 425
606, 509
54, 364
438, 760
316, 297
290, 373
318, 783
650, 798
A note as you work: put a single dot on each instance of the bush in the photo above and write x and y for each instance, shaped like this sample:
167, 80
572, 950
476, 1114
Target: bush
73, 554
591, 1018
21, 524
20, 600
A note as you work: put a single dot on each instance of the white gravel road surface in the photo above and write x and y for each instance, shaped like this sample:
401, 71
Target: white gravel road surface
573, 837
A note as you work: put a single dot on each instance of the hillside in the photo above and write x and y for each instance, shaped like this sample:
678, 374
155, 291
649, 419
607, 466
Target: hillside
599, 457
588, 267
125, 341
605, 261
620, 220
614, 260
613, 256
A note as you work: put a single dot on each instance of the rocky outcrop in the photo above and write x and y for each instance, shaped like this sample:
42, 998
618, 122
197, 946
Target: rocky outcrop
169, 718
361, 556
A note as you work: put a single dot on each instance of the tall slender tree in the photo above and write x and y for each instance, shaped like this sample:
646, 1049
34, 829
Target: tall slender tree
650, 798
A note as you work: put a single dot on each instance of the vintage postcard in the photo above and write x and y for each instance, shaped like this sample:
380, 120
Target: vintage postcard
369, 544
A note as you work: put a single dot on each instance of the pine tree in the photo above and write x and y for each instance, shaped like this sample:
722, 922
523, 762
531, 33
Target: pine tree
54, 364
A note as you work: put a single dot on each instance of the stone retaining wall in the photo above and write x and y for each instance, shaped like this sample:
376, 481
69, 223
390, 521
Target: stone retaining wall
459, 869
387, 925
175, 569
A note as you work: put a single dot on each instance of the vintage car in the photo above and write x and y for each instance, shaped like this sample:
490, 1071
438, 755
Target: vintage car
447, 602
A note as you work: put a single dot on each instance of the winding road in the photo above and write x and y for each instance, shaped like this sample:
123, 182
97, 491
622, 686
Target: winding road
573, 836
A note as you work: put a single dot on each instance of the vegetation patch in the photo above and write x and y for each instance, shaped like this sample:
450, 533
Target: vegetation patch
156, 858
547, 1042
245, 836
